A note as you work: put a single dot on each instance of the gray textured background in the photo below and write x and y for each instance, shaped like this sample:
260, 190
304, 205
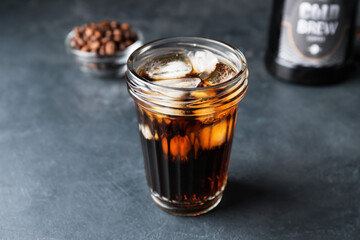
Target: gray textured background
70, 159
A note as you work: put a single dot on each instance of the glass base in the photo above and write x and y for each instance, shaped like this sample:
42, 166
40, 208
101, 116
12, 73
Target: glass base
186, 209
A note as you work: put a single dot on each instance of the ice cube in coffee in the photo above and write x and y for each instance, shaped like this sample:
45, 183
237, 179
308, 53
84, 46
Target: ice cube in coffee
186, 129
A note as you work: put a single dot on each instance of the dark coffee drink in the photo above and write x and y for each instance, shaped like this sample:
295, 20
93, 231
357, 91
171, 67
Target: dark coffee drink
186, 159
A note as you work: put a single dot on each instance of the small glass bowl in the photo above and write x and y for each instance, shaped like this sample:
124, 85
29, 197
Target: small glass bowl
103, 65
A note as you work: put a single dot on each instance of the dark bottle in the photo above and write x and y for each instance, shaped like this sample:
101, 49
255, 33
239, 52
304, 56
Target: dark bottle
311, 41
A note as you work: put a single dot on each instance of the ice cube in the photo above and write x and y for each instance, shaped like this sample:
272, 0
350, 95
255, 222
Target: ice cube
179, 148
169, 66
180, 82
213, 136
177, 83
145, 131
221, 74
203, 61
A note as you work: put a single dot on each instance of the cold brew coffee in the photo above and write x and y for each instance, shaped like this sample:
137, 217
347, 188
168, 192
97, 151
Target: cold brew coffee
187, 99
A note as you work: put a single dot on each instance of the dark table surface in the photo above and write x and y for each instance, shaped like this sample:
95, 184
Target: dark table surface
71, 164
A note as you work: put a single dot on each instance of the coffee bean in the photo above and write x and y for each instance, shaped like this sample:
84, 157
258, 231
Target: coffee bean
105, 40
110, 47
79, 41
85, 48
97, 34
125, 26
104, 24
117, 32
89, 31
94, 45
86, 38
117, 38
113, 24
102, 50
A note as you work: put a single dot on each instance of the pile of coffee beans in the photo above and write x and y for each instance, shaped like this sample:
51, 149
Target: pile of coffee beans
103, 38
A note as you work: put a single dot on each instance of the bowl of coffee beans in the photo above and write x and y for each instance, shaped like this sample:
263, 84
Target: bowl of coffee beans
102, 48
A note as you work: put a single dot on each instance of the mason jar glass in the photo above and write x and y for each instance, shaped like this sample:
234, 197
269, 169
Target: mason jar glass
186, 133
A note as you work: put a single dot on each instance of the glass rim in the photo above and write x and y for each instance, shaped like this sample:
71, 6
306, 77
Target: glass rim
238, 76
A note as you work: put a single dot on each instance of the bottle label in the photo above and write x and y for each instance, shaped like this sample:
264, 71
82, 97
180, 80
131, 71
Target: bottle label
314, 32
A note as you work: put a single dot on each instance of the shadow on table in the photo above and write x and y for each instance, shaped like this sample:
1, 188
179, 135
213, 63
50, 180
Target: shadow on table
240, 194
